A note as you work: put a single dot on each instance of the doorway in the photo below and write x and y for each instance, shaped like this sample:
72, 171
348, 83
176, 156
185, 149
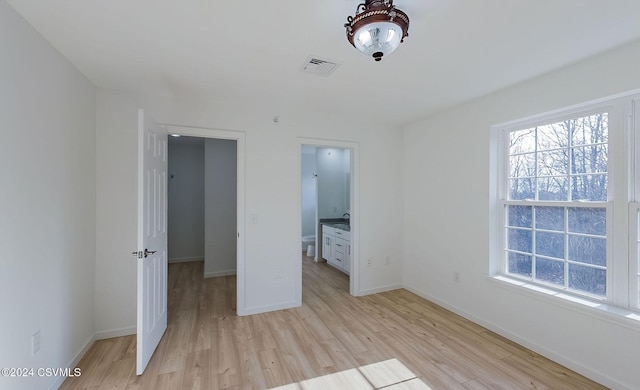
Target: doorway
328, 189
218, 150
202, 203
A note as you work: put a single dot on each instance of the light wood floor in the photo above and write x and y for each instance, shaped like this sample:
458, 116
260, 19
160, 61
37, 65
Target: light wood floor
207, 346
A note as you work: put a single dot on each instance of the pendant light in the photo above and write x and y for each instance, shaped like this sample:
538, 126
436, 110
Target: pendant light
378, 28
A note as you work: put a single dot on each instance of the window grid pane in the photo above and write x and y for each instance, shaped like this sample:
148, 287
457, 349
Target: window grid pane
561, 246
562, 161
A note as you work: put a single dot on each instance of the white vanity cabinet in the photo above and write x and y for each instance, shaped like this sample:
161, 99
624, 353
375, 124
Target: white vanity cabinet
336, 248
328, 235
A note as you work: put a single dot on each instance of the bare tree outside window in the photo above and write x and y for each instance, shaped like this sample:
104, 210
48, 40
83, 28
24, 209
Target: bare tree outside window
556, 244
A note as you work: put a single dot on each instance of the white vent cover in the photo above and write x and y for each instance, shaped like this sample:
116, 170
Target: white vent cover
318, 66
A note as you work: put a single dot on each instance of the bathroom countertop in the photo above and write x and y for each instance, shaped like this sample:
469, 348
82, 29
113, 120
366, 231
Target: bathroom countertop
339, 223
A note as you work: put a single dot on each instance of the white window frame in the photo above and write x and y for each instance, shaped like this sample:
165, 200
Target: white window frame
634, 205
623, 238
634, 246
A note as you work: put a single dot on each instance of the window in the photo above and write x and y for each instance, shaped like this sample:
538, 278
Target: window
566, 184
562, 162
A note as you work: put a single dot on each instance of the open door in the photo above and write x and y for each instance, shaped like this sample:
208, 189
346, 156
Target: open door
152, 238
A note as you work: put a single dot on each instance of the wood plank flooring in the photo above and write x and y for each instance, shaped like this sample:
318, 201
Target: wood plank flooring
207, 346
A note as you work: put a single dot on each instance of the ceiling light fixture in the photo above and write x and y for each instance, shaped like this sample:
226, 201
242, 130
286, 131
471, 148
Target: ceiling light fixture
378, 28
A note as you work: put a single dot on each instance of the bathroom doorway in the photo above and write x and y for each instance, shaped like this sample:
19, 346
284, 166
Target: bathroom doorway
328, 206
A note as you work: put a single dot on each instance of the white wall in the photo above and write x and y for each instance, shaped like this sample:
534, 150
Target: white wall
447, 220
272, 195
47, 204
116, 211
308, 194
220, 207
332, 189
186, 199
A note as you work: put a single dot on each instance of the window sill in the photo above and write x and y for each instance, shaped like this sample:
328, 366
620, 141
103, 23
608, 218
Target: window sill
593, 308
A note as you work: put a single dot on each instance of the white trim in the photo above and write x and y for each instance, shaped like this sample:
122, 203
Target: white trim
634, 250
378, 290
240, 138
546, 203
354, 205
634, 148
552, 355
270, 308
109, 334
74, 363
297, 262
634, 206
186, 259
497, 174
600, 310
218, 274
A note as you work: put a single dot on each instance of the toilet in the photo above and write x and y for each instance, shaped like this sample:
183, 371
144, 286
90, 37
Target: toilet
309, 244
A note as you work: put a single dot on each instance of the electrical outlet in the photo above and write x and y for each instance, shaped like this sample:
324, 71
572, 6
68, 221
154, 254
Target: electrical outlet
456, 276
278, 274
369, 261
387, 260
35, 342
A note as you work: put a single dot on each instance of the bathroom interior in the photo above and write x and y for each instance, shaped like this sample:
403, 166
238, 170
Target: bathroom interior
326, 193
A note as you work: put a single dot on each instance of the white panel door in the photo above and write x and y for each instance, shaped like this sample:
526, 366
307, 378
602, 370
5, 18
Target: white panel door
152, 238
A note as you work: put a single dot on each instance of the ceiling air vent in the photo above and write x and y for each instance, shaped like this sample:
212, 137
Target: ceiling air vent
320, 67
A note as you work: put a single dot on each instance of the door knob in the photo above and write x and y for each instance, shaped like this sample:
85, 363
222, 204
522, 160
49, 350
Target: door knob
141, 254
148, 252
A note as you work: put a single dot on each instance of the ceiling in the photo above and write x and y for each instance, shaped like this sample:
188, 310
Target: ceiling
252, 51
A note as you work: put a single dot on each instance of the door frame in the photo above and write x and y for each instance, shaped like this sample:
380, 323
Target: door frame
239, 137
354, 206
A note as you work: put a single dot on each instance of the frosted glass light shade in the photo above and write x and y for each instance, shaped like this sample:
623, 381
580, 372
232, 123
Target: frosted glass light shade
378, 37
377, 29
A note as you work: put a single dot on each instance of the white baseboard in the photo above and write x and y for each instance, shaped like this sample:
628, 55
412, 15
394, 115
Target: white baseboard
83, 350
109, 334
265, 309
186, 259
570, 364
74, 362
220, 273
377, 290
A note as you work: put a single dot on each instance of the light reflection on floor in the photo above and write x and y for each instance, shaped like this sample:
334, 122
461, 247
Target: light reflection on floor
389, 374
